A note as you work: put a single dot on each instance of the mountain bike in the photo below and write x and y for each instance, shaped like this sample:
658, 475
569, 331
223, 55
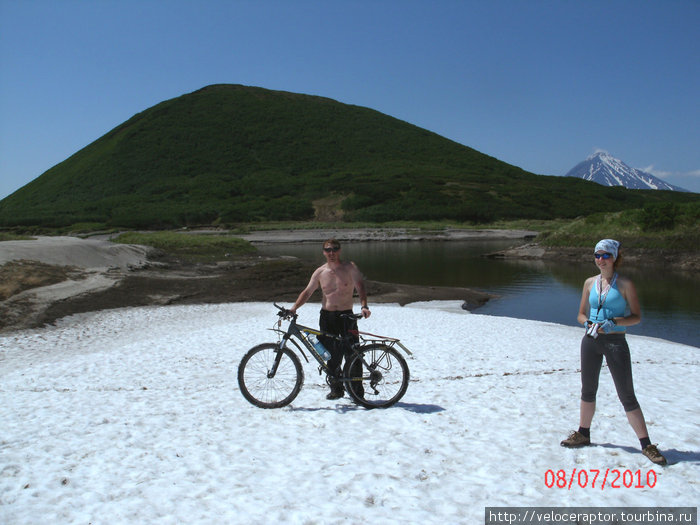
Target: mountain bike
375, 374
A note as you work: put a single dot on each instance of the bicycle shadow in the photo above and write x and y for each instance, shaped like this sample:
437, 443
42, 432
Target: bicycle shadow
420, 409
343, 408
336, 408
672, 455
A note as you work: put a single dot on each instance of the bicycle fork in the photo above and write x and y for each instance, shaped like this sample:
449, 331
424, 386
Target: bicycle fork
278, 358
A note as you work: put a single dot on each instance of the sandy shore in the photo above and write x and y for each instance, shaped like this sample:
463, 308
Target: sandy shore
51, 277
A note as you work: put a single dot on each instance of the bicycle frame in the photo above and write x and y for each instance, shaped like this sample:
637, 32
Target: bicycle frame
301, 332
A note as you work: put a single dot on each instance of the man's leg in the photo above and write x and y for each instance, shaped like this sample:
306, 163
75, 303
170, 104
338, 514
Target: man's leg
328, 323
356, 370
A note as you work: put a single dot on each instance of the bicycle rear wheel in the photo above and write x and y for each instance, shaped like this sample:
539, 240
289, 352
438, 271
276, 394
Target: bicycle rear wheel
266, 391
377, 376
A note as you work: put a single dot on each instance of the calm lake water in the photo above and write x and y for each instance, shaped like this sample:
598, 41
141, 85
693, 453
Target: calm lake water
540, 290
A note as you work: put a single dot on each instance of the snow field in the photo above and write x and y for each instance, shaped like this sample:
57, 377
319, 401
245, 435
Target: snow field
134, 416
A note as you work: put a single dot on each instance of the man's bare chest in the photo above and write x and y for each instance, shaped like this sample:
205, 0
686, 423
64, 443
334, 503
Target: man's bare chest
335, 279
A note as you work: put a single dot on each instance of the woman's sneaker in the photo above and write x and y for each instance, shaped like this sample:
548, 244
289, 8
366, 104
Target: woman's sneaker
576, 439
654, 455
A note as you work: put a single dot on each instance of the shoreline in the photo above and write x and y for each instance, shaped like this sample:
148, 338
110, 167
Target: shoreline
52, 277
675, 262
49, 278
381, 234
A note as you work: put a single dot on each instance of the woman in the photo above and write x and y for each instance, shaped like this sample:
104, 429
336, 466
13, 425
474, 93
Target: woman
605, 300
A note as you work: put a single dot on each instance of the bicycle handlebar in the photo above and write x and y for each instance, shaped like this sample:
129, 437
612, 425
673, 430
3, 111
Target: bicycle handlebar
283, 312
286, 314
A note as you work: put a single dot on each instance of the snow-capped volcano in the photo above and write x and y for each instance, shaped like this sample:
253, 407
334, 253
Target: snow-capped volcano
603, 168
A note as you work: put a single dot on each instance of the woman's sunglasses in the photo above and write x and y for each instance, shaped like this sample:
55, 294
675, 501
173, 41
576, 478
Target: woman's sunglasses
602, 255
331, 250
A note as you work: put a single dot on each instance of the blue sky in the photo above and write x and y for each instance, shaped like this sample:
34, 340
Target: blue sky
538, 84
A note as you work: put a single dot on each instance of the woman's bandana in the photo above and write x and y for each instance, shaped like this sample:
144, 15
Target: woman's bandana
608, 245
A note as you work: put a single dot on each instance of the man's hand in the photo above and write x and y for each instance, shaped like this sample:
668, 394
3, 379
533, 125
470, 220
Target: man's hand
286, 314
365, 312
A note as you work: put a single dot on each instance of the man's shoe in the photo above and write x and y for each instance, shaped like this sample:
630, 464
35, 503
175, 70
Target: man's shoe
654, 455
335, 394
575, 440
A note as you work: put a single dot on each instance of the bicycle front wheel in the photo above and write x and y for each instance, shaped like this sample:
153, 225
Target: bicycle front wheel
376, 376
257, 383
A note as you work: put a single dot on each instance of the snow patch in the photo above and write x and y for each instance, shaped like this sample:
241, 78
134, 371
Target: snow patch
134, 416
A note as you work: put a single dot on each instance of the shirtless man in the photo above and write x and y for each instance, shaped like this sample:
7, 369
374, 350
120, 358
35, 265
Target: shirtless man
338, 281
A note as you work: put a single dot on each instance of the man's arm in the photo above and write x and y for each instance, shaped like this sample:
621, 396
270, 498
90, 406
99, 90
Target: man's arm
359, 283
308, 291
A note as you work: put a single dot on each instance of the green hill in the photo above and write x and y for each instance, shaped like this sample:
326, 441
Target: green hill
230, 153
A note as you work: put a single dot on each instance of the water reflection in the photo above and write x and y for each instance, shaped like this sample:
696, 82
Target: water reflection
543, 290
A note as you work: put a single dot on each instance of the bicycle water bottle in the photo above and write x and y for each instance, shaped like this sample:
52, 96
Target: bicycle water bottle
320, 349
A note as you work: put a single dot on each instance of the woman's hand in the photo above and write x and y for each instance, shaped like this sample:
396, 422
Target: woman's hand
607, 326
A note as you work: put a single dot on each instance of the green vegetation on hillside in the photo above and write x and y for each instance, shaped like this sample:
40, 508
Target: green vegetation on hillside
228, 154
664, 227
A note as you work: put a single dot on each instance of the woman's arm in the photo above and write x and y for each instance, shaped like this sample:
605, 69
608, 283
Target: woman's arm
583, 305
629, 292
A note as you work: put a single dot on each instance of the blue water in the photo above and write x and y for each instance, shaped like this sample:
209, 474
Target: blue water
543, 290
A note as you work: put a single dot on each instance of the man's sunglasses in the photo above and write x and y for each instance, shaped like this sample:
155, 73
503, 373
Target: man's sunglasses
331, 250
602, 255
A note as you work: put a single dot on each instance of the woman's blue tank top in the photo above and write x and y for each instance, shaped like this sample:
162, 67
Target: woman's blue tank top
614, 305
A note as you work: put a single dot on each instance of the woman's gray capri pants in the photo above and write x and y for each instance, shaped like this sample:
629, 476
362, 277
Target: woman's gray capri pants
617, 356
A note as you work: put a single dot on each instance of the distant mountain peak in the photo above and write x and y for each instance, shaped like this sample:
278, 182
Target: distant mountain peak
603, 168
